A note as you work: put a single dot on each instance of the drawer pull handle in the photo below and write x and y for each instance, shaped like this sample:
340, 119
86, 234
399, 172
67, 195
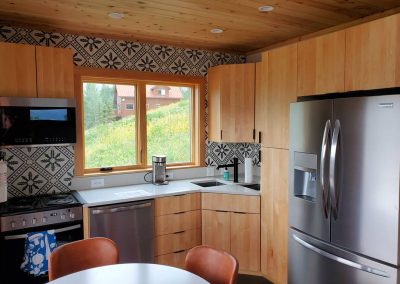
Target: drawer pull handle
179, 212
179, 251
240, 212
221, 211
179, 232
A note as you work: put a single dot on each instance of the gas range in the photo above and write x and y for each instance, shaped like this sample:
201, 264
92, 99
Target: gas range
34, 211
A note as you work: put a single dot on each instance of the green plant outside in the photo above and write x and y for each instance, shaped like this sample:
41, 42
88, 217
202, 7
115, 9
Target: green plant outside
112, 143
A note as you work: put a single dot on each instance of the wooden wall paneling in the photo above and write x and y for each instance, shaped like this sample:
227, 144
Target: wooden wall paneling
172, 223
274, 214
216, 229
245, 240
261, 114
373, 55
156, 21
55, 72
177, 203
281, 91
230, 202
17, 70
321, 64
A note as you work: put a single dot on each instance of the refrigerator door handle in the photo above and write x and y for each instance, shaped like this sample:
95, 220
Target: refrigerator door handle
332, 169
340, 259
324, 149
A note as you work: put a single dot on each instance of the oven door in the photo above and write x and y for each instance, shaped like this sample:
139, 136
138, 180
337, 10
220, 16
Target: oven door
12, 251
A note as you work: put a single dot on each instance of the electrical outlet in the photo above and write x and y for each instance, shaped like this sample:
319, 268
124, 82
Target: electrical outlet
97, 182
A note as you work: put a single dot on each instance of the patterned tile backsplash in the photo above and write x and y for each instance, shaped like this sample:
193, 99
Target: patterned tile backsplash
38, 170
36, 178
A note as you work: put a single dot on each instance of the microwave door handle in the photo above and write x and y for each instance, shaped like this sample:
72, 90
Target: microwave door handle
324, 148
24, 236
332, 169
340, 259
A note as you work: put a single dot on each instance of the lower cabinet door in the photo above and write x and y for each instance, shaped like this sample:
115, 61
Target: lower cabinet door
245, 240
216, 231
176, 259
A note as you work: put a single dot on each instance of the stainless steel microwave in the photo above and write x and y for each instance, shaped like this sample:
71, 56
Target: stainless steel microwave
37, 121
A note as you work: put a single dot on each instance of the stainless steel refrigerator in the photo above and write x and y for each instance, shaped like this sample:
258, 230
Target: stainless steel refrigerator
344, 165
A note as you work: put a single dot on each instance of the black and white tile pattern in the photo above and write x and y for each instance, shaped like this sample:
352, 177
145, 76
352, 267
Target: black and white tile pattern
98, 52
38, 170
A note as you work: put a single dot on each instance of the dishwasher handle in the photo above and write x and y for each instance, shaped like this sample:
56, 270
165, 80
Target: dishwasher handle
120, 209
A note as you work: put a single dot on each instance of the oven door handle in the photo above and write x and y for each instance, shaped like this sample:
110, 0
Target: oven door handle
24, 236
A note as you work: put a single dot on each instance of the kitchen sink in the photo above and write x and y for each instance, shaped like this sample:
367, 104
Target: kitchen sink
208, 183
255, 186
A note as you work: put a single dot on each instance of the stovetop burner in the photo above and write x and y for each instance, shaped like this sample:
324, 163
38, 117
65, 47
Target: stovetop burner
38, 203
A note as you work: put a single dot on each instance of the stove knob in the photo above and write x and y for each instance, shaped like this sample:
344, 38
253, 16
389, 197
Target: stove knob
12, 224
23, 222
44, 219
62, 216
72, 215
34, 221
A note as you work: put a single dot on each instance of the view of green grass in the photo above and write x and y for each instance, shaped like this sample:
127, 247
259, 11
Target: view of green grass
111, 142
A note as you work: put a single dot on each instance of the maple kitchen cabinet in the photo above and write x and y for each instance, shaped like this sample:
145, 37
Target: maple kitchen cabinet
35, 71
17, 70
55, 72
279, 90
177, 228
232, 223
274, 212
373, 55
231, 103
321, 64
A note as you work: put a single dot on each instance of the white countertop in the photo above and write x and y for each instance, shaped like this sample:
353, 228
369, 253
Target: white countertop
111, 195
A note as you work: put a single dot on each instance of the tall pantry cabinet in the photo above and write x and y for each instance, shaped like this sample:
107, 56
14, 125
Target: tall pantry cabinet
278, 90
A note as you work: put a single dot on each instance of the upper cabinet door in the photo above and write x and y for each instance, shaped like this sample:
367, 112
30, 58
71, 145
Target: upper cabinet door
280, 92
54, 72
17, 70
231, 102
321, 65
261, 99
373, 55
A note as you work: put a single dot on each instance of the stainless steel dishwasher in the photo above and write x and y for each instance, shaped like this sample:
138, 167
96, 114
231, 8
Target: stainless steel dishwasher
129, 225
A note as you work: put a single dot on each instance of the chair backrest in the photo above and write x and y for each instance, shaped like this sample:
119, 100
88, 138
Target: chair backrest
81, 255
215, 266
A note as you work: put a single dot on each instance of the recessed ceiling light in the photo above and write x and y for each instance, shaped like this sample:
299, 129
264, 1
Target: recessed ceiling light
265, 8
116, 15
217, 31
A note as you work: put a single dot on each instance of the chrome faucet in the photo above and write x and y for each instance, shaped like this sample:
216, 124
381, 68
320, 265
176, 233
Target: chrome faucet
235, 169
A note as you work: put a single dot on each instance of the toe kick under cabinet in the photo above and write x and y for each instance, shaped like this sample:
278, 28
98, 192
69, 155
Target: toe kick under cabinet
232, 223
177, 227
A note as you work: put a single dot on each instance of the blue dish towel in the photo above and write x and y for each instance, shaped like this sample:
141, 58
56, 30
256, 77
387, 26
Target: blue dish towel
38, 246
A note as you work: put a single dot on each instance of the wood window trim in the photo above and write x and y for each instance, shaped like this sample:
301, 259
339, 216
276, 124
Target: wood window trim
198, 121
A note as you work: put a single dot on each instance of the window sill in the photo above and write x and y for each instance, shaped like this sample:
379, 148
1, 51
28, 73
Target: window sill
136, 171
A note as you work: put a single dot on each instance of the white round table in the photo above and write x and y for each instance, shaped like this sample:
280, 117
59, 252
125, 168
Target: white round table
131, 273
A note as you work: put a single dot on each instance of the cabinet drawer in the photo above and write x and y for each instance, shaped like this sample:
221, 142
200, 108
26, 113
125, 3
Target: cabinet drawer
176, 259
230, 202
177, 241
172, 223
176, 204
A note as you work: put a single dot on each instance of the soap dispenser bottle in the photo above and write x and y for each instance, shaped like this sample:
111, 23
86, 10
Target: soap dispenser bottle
226, 174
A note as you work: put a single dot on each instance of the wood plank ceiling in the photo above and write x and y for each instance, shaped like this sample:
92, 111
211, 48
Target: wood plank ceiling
188, 22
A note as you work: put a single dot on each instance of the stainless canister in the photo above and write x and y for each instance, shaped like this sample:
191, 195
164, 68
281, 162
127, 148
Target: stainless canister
159, 169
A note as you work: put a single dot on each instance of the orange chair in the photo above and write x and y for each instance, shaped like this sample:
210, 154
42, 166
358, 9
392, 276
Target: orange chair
81, 255
215, 266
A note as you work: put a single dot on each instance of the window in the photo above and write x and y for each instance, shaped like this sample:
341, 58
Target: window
169, 124
126, 122
109, 132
